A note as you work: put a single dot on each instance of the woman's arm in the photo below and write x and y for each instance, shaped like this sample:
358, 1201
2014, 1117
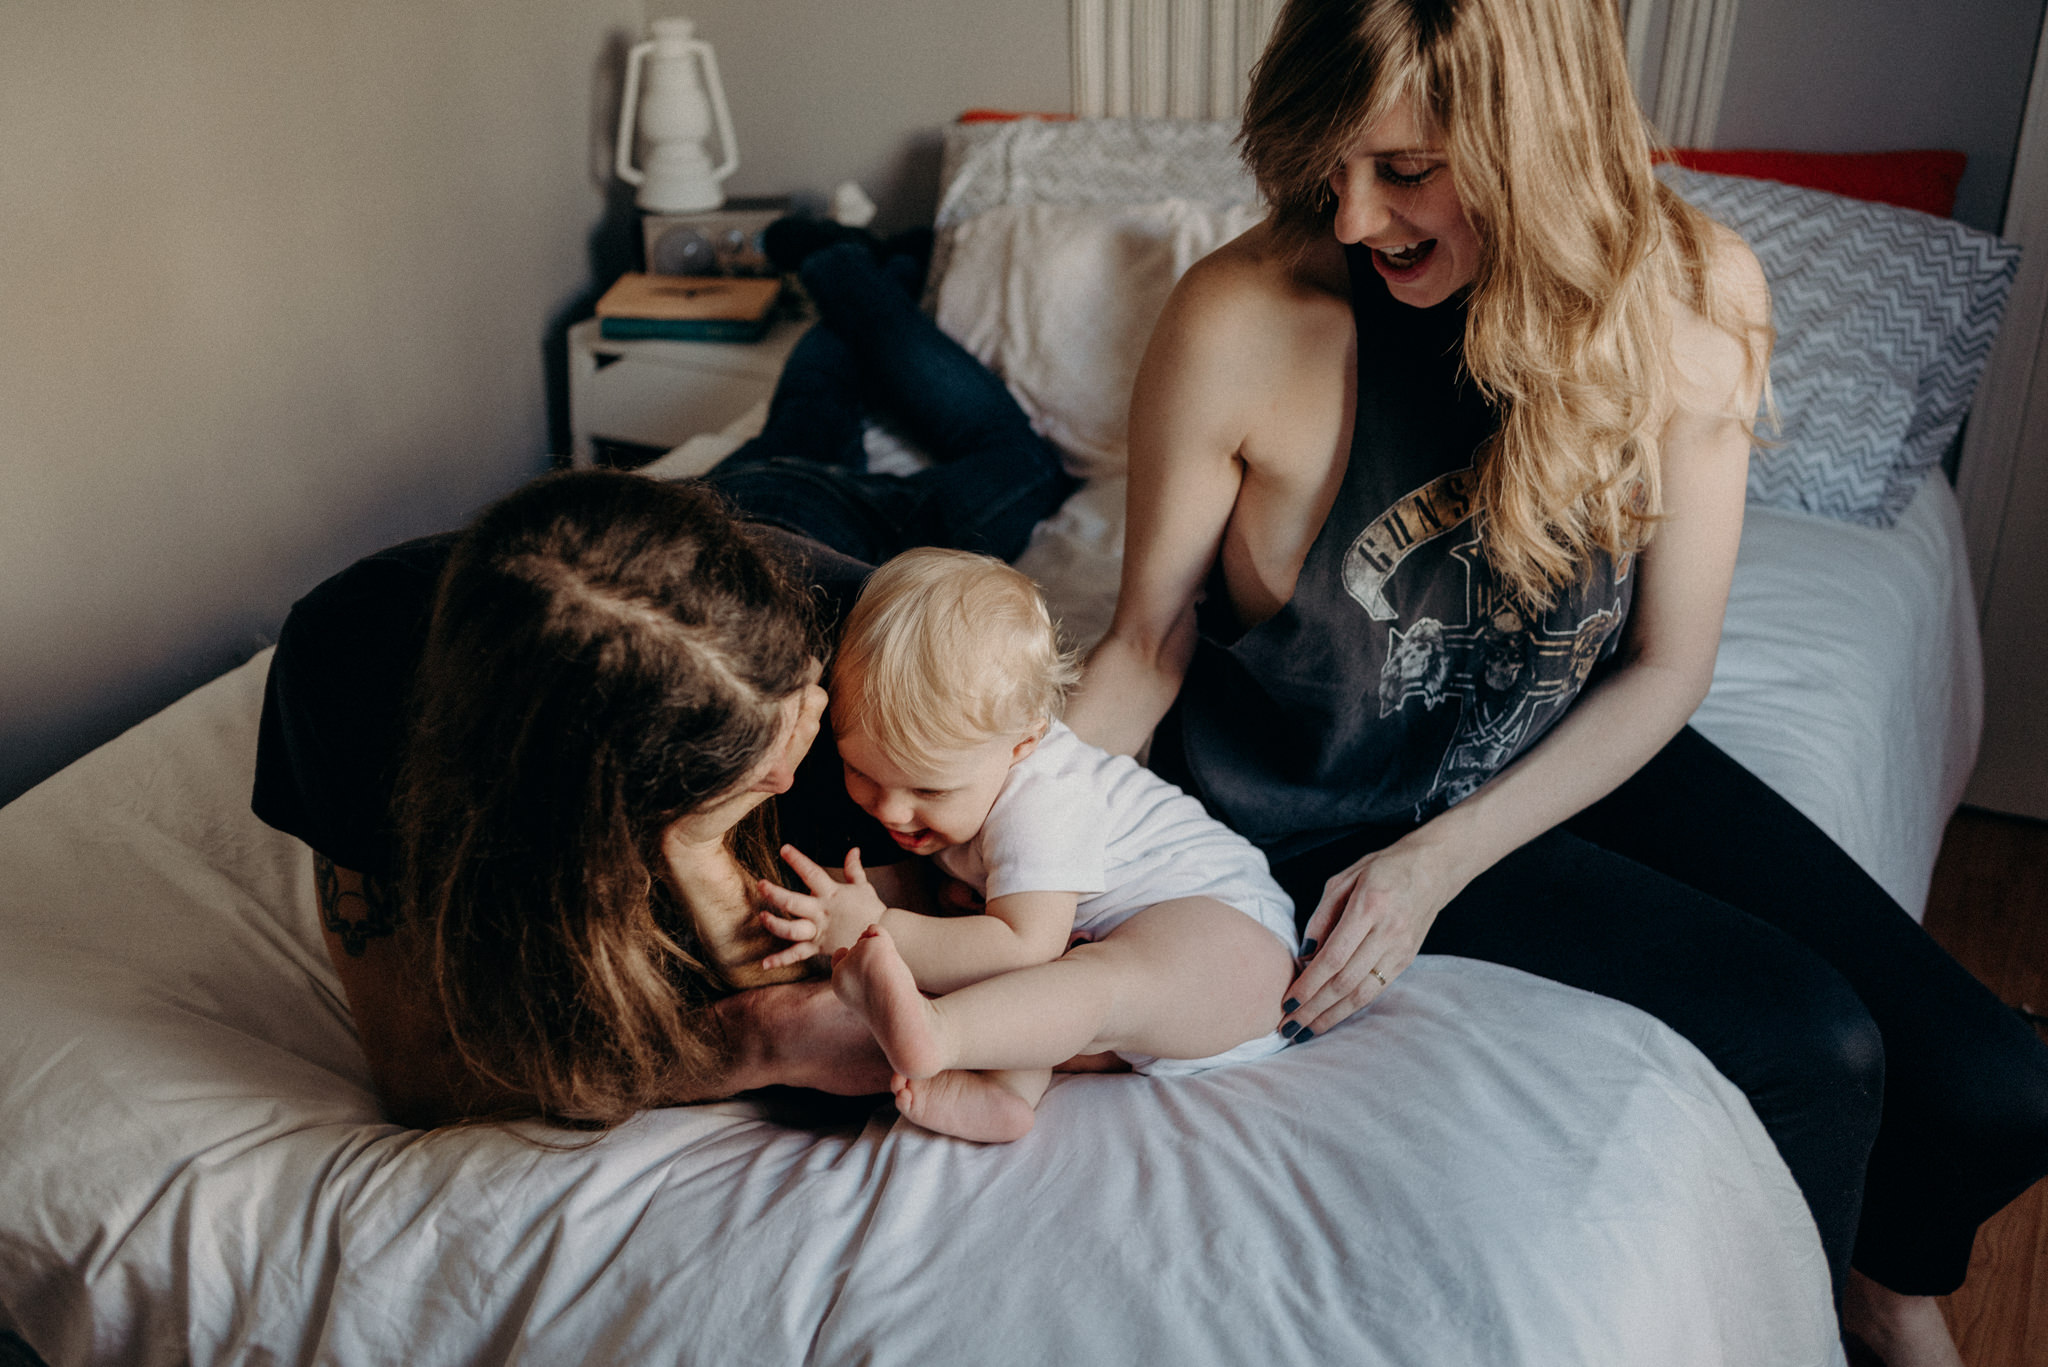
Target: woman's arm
1373, 916
800, 1035
419, 1075
1187, 425
1238, 426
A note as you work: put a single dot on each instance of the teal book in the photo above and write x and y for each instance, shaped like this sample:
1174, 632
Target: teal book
688, 308
684, 329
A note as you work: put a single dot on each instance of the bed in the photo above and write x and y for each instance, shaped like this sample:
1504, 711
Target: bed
1485, 1167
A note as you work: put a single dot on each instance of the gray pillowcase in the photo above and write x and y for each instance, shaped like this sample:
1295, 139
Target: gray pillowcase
1885, 319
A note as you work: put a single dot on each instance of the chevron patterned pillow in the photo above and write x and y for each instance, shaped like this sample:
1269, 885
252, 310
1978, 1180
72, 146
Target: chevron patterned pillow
1885, 318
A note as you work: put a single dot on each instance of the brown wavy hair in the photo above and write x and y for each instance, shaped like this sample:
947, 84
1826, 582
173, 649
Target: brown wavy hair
607, 654
1582, 250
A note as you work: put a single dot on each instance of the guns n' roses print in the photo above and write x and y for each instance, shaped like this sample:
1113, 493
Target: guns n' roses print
1509, 673
1402, 674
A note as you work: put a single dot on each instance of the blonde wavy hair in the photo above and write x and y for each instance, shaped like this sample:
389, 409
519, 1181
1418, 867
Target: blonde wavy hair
946, 650
1582, 250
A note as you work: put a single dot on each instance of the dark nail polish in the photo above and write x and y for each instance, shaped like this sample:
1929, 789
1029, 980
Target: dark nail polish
1308, 947
1290, 1005
1304, 1037
1290, 1028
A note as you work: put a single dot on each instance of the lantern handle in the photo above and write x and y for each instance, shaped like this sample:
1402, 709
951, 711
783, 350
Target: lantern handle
629, 104
720, 115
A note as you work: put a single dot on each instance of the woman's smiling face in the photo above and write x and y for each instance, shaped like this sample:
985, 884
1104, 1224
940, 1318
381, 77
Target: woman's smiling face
1395, 195
796, 727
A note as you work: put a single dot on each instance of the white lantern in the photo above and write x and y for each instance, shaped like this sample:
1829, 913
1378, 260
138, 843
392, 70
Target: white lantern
682, 104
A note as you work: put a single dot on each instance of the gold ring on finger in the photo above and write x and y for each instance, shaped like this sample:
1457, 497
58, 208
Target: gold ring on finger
1376, 973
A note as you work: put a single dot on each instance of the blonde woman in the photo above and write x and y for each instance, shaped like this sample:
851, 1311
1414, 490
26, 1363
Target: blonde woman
1436, 487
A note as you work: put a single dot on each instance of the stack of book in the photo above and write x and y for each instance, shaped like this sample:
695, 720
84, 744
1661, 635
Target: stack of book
694, 308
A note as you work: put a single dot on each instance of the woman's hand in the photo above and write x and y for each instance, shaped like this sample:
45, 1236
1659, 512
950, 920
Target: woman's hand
1366, 929
831, 918
800, 1035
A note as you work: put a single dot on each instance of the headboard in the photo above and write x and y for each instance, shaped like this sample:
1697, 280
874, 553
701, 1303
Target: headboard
1188, 59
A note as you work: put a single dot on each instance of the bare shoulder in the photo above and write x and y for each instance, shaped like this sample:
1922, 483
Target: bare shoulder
1251, 303
1718, 365
1734, 270
1250, 333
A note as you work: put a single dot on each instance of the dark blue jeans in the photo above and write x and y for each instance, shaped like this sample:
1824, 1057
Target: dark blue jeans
875, 353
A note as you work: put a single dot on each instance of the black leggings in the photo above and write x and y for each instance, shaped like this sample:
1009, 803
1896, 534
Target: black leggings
1908, 1102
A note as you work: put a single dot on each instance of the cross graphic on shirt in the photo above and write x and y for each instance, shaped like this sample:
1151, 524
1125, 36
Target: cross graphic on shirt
1508, 672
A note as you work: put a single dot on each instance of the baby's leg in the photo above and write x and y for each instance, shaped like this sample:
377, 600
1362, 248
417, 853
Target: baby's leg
1184, 979
990, 1108
1195, 977
872, 978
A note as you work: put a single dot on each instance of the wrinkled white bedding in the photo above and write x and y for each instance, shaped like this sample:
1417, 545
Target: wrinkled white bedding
1484, 1168
1851, 679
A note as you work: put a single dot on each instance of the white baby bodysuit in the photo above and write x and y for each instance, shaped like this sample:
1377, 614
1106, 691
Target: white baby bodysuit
1072, 817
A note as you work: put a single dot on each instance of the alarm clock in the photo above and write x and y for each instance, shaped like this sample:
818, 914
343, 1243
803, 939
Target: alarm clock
724, 241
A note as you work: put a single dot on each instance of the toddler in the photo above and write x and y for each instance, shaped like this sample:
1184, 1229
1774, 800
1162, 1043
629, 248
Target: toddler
946, 694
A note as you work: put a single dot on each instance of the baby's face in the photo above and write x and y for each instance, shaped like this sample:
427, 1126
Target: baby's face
931, 806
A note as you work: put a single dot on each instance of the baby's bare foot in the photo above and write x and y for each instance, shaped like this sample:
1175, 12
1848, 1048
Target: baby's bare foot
872, 978
967, 1105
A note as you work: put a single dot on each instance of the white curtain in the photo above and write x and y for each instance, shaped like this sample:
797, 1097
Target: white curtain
1188, 59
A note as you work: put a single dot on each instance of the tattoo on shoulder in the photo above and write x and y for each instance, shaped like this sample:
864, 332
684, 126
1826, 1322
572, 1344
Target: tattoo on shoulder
357, 917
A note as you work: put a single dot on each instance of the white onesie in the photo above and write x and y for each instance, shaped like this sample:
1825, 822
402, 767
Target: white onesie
1071, 817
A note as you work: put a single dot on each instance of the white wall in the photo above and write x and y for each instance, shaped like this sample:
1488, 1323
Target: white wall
274, 277
858, 89
1871, 75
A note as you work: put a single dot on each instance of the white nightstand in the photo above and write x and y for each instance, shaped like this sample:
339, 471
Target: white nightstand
658, 394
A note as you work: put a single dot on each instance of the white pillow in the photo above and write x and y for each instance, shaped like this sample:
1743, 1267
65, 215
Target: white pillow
1060, 299
1088, 161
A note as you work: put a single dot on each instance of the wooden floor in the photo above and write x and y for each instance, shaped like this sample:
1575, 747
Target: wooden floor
1989, 908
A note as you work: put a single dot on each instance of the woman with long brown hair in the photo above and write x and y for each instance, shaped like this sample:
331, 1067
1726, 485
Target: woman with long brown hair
534, 761
1436, 486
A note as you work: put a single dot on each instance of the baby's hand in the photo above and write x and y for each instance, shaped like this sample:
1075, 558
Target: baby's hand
830, 918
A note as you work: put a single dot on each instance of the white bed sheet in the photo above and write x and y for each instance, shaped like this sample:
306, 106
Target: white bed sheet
1484, 1168
1851, 679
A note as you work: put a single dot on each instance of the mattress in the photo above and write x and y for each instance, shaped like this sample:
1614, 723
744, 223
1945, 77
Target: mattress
1850, 678
1484, 1167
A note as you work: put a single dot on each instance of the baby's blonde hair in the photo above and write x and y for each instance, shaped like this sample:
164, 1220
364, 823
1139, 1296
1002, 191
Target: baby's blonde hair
946, 650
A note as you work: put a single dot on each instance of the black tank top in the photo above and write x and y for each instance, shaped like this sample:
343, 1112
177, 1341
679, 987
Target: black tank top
1401, 675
